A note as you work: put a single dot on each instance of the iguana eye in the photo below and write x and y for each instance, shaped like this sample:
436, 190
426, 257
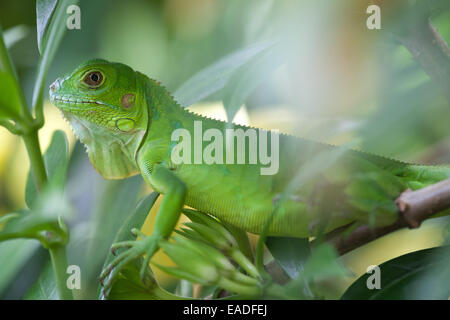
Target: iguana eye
93, 78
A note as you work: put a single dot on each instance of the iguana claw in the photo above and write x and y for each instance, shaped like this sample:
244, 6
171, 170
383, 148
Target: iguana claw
147, 246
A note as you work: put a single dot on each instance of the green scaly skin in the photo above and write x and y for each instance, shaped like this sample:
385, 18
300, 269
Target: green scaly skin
126, 121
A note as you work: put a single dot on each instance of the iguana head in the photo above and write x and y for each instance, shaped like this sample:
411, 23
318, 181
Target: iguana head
105, 104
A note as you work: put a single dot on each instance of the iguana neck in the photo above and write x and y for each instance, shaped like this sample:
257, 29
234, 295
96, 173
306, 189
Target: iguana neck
167, 115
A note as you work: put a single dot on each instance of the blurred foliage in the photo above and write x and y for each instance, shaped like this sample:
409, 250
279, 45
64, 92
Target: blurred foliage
419, 275
332, 80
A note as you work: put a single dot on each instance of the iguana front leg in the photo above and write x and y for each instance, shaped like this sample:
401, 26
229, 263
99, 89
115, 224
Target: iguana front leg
174, 190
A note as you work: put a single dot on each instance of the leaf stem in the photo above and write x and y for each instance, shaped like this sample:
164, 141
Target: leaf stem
28, 127
59, 263
10, 126
36, 161
30, 137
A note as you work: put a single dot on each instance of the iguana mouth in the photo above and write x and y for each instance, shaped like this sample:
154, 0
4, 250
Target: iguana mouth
70, 102
73, 101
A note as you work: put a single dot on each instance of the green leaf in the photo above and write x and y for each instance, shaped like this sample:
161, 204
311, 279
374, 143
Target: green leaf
45, 222
184, 288
114, 202
247, 78
56, 160
216, 76
28, 224
447, 234
44, 11
50, 206
290, 253
9, 98
205, 219
189, 234
210, 253
45, 287
15, 34
13, 256
210, 235
129, 286
423, 274
135, 220
53, 33
181, 274
323, 264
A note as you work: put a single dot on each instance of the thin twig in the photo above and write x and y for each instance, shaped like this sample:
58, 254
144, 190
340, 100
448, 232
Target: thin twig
409, 22
431, 51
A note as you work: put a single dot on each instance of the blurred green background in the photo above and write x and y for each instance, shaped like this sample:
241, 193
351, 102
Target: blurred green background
338, 81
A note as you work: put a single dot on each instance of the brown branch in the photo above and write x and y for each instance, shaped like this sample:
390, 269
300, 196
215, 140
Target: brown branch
409, 22
414, 207
431, 51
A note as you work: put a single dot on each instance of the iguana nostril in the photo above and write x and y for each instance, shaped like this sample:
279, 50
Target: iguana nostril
55, 85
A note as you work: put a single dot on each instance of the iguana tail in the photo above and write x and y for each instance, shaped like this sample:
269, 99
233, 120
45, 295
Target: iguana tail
418, 176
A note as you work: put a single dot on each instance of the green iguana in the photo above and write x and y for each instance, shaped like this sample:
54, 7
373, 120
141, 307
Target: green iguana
127, 121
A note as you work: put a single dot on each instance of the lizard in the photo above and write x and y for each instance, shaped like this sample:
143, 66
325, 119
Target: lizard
126, 121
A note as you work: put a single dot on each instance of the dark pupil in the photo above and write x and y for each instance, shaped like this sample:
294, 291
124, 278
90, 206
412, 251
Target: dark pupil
94, 77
